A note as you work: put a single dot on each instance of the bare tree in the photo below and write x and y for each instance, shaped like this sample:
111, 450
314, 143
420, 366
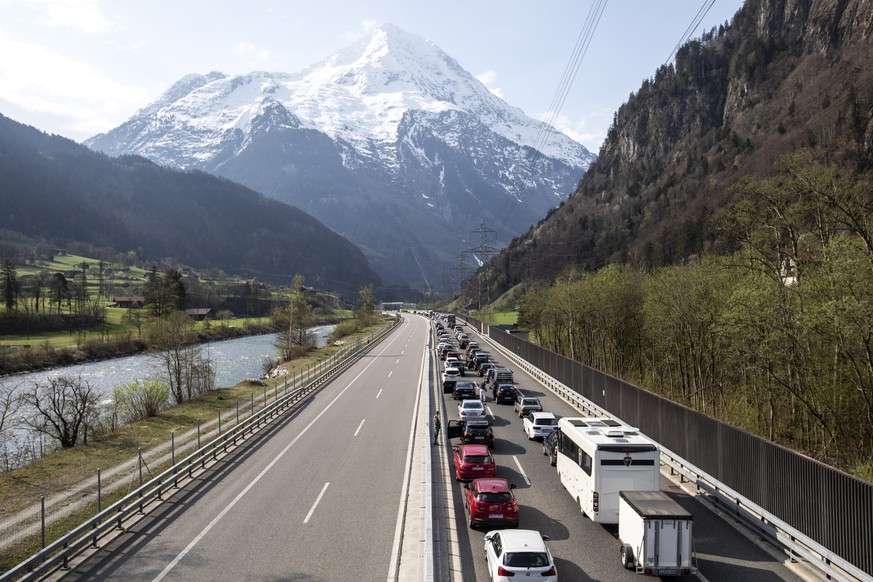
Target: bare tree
63, 408
188, 372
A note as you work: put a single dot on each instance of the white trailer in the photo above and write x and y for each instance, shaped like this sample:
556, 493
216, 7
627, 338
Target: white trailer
655, 534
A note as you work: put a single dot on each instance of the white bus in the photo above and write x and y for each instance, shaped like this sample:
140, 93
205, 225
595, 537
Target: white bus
598, 457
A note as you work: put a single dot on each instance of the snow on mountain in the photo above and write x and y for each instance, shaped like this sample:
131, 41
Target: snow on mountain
390, 119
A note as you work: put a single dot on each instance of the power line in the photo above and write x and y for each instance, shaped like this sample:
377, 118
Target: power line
557, 103
695, 22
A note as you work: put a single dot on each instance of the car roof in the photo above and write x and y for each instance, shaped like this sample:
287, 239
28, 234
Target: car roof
478, 423
492, 484
543, 415
475, 449
522, 540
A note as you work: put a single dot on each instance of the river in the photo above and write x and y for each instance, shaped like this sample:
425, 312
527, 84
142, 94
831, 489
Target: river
234, 360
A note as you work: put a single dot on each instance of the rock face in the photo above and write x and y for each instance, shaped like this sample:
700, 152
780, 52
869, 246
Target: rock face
783, 75
389, 142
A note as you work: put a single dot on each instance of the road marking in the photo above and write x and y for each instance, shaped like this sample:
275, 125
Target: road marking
389, 373
320, 495
379, 392
520, 470
359, 427
402, 352
394, 562
260, 476
397, 361
490, 413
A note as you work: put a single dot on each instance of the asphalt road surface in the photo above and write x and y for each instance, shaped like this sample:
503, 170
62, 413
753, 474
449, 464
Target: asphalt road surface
317, 500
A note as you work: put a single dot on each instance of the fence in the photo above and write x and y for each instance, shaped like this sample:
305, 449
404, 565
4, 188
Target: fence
782, 494
57, 553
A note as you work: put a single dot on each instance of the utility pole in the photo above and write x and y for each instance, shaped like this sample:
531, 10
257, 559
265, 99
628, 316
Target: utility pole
483, 252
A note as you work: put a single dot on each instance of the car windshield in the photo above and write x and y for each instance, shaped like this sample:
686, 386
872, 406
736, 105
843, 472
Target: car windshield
530, 401
527, 559
472, 404
490, 497
477, 458
547, 421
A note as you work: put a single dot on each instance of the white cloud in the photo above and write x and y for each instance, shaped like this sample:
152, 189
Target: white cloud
367, 25
83, 15
488, 78
41, 81
580, 130
251, 52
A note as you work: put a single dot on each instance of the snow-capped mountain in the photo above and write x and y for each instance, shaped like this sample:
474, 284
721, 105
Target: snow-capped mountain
389, 141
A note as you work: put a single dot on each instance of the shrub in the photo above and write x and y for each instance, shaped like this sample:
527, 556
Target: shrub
141, 399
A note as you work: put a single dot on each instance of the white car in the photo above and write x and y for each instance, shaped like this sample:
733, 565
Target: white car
519, 551
539, 425
469, 409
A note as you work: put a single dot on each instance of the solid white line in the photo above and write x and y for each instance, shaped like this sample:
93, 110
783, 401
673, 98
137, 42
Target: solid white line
254, 481
520, 470
359, 427
379, 392
407, 472
314, 505
490, 413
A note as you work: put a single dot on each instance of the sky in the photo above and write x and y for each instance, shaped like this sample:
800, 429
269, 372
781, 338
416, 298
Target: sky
77, 68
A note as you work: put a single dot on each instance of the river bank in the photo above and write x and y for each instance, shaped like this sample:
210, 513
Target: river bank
42, 357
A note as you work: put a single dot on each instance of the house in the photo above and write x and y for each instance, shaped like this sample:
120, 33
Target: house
129, 301
199, 313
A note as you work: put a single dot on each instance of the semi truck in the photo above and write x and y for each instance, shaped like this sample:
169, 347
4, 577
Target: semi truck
655, 534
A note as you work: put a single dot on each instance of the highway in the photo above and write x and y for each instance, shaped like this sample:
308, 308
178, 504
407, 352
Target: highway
323, 495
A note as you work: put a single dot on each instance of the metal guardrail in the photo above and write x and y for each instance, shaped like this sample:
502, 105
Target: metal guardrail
794, 543
88, 534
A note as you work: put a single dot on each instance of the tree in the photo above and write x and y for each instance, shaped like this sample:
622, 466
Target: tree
294, 322
187, 372
164, 292
59, 291
63, 408
368, 305
9, 285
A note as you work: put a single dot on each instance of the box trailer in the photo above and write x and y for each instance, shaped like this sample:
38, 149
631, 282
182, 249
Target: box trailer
655, 534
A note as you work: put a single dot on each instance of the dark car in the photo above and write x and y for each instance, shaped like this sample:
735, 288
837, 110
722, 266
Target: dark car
464, 389
504, 393
484, 367
472, 432
550, 447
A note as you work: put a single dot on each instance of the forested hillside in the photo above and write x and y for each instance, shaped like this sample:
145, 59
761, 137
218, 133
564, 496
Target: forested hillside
720, 252
785, 74
59, 192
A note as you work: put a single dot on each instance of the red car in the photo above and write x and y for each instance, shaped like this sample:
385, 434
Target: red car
473, 461
491, 502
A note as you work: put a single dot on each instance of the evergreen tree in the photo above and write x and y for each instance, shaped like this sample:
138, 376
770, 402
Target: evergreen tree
9, 285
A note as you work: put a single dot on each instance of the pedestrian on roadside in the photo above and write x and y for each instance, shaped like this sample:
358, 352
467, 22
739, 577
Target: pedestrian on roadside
436, 426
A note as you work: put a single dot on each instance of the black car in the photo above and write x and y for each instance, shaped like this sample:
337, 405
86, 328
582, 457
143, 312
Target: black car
550, 447
464, 389
504, 393
472, 432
